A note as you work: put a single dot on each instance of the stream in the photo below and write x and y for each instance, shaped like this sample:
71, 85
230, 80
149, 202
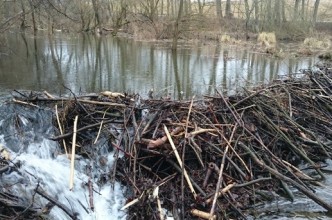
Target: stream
84, 64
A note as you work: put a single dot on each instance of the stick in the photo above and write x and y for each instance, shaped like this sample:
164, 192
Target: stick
72, 162
216, 195
101, 125
24, 103
201, 214
179, 161
187, 121
82, 129
156, 196
101, 103
60, 128
90, 186
221, 192
301, 188
48, 95
56, 202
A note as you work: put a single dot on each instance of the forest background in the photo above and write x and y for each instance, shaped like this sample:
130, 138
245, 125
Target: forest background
174, 20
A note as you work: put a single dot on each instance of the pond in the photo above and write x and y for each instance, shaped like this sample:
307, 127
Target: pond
85, 63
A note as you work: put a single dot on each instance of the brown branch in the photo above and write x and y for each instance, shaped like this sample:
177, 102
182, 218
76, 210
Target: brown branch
280, 176
57, 203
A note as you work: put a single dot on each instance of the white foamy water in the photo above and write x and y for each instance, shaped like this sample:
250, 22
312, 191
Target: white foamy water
52, 173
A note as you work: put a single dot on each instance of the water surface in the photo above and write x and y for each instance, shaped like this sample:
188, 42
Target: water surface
85, 63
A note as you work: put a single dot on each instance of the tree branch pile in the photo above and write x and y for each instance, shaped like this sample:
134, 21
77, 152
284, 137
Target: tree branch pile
213, 158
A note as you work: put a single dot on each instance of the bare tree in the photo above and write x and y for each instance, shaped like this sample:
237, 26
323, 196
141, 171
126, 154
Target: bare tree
228, 12
176, 28
314, 17
219, 11
296, 10
95, 4
200, 7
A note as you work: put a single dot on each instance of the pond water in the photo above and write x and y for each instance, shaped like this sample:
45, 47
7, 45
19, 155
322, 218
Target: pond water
86, 63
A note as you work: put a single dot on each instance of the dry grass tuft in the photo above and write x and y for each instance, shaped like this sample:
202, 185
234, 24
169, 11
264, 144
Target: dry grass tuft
268, 43
316, 43
225, 38
267, 39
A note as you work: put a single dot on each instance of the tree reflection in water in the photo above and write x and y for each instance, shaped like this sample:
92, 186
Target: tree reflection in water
87, 63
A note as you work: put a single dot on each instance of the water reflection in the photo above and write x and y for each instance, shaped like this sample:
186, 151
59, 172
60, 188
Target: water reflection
86, 63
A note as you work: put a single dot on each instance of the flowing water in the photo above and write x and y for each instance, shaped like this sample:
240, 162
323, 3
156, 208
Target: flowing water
85, 64
24, 134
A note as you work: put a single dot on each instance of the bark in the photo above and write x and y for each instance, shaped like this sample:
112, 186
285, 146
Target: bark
256, 6
247, 10
168, 7
314, 18
219, 11
283, 12
228, 12
277, 13
269, 13
247, 13
200, 7
302, 10
296, 10
23, 19
95, 5
176, 28
33, 17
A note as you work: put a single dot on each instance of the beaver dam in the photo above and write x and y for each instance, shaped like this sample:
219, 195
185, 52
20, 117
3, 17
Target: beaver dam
214, 158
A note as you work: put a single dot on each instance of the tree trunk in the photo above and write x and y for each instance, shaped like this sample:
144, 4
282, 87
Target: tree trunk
188, 6
314, 17
247, 10
277, 13
200, 7
219, 11
256, 6
176, 28
95, 5
283, 12
302, 10
296, 10
269, 13
33, 17
228, 12
168, 8
23, 19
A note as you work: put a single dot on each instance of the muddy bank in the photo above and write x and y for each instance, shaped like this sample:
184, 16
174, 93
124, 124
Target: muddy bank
216, 157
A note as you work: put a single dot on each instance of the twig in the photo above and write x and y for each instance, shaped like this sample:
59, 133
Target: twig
203, 215
101, 125
219, 193
179, 161
56, 138
90, 186
216, 195
24, 103
60, 128
188, 116
301, 188
72, 162
48, 95
53, 200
